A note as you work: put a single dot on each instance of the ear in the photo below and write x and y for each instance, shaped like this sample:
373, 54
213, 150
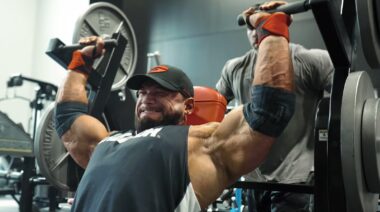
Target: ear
189, 105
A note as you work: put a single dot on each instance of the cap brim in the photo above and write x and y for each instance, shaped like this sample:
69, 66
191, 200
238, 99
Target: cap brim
136, 81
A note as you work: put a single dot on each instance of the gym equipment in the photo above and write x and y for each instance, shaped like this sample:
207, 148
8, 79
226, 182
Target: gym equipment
45, 91
290, 8
360, 160
50, 153
103, 19
100, 19
369, 23
110, 74
13, 139
209, 106
368, 20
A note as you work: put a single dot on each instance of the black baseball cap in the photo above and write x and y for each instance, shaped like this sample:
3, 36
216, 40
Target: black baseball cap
169, 77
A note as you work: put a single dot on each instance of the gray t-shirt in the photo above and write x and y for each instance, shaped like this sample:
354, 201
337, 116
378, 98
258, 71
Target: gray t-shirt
292, 156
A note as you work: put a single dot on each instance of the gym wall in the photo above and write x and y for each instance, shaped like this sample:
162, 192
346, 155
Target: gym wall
27, 27
200, 35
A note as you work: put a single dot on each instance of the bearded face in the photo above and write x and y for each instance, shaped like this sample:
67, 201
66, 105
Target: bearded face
167, 119
157, 106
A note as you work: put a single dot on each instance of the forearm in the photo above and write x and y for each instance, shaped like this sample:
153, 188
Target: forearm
273, 100
274, 67
79, 132
73, 88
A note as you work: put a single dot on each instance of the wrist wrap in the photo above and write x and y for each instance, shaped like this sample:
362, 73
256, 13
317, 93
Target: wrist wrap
80, 63
274, 24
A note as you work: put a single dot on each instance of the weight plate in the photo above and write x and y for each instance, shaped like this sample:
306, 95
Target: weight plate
105, 19
369, 31
371, 144
49, 151
357, 89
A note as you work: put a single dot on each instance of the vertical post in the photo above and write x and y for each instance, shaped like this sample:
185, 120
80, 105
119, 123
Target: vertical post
321, 194
336, 24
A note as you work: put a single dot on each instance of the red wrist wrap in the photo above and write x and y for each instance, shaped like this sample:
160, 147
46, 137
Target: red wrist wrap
80, 64
274, 24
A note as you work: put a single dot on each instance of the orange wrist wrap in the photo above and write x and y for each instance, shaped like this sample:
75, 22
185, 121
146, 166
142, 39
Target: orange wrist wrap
80, 64
274, 24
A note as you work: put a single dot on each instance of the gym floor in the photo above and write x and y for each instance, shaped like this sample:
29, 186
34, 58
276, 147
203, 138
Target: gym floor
8, 204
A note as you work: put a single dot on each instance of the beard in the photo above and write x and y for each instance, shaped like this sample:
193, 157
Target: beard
168, 119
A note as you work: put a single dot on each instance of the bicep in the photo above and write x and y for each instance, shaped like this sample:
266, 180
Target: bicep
82, 137
241, 149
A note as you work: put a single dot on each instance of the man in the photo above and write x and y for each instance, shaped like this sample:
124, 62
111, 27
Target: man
291, 159
168, 166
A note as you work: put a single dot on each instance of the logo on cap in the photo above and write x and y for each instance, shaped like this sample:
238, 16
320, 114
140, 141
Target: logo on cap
159, 69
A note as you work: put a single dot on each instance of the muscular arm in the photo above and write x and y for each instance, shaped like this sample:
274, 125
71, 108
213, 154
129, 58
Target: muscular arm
245, 148
85, 132
233, 148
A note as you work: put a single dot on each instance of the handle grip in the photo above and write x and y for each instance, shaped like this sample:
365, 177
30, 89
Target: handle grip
291, 8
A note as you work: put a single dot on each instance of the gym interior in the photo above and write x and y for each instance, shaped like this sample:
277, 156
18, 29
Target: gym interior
198, 36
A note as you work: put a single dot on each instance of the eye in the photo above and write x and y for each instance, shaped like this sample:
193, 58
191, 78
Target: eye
160, 93
139, 93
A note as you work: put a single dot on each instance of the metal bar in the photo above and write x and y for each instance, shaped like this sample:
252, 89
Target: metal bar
27, 189
62, 53
101, 81
321, 194
5, 191
112, 65
336, 190
336, 27
296, 188
290, 8
334, 32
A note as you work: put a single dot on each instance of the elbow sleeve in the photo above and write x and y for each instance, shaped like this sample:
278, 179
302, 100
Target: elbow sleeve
65, 114
270, 110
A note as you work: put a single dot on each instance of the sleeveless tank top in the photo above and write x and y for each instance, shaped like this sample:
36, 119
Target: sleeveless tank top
143, 172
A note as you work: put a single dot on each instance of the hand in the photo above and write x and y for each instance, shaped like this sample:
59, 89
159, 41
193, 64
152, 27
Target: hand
94, 47
251, 24
255, 18
82, 60
272, 5
265, 6
264, 23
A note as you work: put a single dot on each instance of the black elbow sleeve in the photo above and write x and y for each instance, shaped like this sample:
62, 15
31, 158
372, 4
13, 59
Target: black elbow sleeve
65, 114
270, 110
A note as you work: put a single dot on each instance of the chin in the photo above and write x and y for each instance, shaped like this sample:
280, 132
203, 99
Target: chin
148, 122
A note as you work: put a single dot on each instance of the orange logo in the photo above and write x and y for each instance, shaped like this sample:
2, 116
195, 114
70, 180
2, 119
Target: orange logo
159, 69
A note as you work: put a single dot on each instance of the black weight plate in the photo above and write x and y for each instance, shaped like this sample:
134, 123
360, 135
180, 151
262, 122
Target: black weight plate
371, 144
367, 12
357, 89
